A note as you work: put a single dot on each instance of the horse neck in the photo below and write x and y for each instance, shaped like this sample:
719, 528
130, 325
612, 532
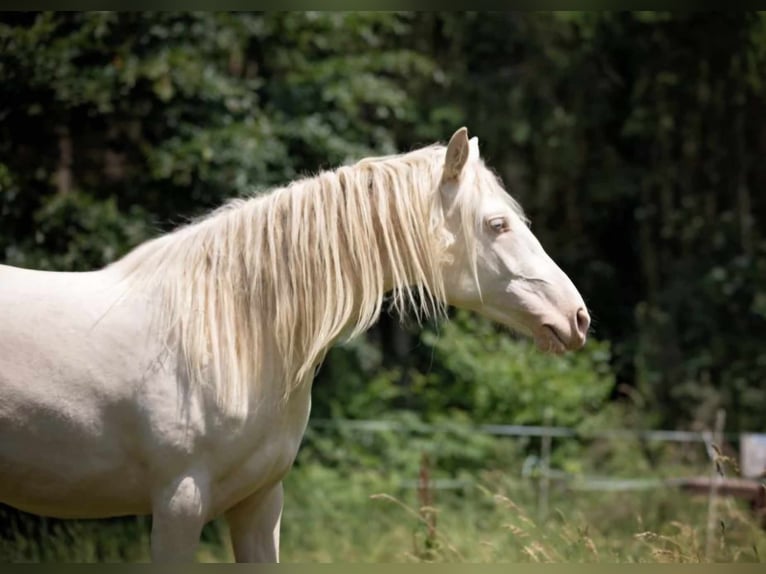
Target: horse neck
314, 269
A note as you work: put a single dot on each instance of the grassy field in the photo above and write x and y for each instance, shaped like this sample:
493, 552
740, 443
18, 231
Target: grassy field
498, 522
359, 516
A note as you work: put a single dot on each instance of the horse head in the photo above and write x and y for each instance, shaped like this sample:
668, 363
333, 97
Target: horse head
501, 270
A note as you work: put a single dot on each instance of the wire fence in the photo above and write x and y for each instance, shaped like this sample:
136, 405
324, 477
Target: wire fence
527, 431
713, 483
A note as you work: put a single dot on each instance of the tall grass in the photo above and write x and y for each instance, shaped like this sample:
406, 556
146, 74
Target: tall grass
497, 521
365, 515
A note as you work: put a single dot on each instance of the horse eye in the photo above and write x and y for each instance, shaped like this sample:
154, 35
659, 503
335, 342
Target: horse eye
498, 224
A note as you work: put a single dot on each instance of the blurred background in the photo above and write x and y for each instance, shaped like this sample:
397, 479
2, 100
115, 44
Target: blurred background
635, 142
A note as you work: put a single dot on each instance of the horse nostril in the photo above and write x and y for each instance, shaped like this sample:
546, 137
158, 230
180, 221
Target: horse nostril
583, 321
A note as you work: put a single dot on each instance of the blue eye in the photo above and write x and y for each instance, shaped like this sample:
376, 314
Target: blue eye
498, 224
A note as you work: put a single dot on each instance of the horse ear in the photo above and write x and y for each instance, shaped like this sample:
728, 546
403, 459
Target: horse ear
458, 150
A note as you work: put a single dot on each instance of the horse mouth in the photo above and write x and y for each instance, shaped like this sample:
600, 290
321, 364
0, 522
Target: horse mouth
549, 340
546, 337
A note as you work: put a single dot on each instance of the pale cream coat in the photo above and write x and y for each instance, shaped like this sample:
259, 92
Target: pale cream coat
177, 381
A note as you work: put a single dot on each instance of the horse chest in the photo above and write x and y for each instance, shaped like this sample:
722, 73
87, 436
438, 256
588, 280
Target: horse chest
261, 468
260, 455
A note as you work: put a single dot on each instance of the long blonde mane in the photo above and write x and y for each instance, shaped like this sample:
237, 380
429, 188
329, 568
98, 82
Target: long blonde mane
281, 276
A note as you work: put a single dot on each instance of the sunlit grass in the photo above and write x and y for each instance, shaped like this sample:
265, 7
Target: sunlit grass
353, 515
497, 521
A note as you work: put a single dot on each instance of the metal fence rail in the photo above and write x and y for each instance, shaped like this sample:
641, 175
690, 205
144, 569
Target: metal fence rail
524, 430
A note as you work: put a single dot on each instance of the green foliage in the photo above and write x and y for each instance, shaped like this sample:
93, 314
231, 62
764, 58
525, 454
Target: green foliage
78, 232
629, 137
633, 139
478, 375
497, 378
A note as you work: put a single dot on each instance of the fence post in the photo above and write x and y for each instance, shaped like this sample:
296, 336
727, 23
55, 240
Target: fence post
716, 475
545, 466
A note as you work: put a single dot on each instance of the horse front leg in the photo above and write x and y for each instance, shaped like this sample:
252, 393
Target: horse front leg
179, 511
254, 526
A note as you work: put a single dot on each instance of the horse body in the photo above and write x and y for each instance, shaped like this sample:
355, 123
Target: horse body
96, 423
177, 381
67, 383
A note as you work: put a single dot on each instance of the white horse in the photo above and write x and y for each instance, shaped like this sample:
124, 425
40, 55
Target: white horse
177, 380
